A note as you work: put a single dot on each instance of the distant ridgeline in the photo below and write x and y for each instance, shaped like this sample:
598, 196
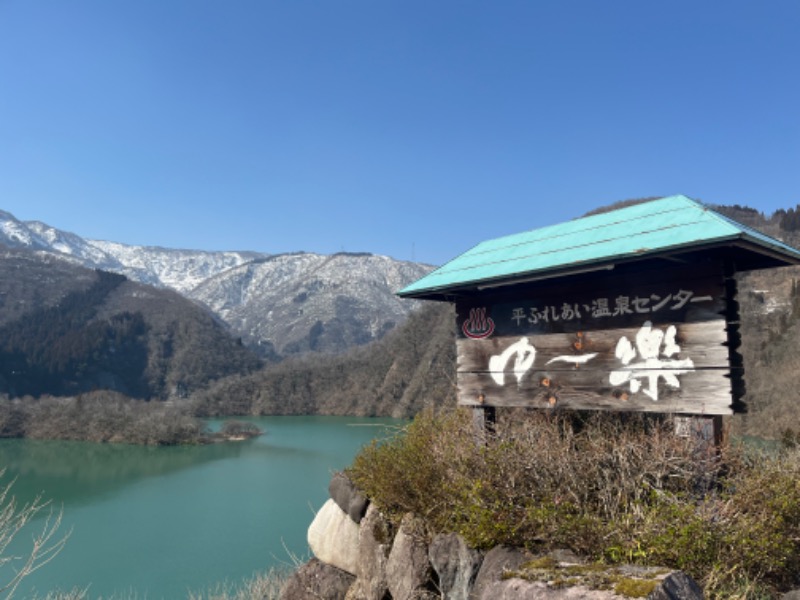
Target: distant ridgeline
278, 304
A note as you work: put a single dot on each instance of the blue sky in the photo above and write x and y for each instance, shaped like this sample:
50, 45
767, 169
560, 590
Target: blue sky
414, 129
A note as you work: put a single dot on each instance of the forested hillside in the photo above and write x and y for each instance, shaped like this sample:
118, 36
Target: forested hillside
77, 345
66, 330
412, 367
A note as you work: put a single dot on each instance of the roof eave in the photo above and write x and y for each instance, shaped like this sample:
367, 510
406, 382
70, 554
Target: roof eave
741, 239
776, 253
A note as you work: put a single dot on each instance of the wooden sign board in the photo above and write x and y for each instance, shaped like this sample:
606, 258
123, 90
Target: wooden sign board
654, 342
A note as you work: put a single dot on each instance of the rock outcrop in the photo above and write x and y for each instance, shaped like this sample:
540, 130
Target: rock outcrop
676, 586
333, 537
349, 499
408, 570
358, 555
374, 544
319, 581
456, 565
498, 561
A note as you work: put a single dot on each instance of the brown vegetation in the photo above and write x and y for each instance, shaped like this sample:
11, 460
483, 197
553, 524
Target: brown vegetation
99, 417
611, 489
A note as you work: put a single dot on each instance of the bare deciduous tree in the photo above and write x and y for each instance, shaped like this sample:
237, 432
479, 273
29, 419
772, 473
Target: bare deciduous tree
45, 541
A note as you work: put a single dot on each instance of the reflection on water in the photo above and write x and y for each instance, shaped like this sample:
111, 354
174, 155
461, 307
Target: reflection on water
163, 520
73, 472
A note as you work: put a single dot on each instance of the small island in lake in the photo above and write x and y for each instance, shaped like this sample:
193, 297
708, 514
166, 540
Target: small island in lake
235, 431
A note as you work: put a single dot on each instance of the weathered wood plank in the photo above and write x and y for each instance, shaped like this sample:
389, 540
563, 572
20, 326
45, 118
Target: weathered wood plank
701, 392
703, 343
674, 368
484, 421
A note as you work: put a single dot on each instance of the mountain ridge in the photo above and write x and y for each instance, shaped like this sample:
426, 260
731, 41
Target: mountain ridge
348, 297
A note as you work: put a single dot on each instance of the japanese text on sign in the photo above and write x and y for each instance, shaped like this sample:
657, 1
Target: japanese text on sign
602, 308
656, 350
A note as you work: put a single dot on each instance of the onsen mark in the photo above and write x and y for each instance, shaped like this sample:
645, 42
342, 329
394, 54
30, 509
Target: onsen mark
478, 326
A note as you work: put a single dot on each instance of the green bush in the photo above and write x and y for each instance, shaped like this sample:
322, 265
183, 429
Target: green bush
422, 470
612, 488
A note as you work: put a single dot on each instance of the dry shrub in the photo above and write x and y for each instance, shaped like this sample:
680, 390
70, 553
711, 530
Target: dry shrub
261, 586
599, 466
616, 488
422, 469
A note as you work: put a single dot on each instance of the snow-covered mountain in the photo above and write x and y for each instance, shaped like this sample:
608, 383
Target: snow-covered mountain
288, 302
299, 302
181, 270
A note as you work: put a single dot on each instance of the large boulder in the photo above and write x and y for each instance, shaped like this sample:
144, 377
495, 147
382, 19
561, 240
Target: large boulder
497, 562
456, 565
679, 586
317, 581
333, 538
347, 496
408, 571
374, 544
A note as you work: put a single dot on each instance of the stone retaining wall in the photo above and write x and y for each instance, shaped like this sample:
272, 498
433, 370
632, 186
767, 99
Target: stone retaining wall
358, 555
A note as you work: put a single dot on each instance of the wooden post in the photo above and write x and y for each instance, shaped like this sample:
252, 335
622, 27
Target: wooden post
484, 420
706, 431
706, 434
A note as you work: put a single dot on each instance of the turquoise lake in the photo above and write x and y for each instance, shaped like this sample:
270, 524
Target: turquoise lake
157, 522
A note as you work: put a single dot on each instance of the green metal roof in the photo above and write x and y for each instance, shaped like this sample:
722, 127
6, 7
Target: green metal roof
667, 226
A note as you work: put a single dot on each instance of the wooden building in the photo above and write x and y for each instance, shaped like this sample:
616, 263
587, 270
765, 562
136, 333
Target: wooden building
633, 309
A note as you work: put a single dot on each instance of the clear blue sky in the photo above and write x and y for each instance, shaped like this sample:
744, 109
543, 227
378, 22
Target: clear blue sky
407, 128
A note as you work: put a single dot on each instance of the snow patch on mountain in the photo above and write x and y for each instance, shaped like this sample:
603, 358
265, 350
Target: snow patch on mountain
181, 270
299, 302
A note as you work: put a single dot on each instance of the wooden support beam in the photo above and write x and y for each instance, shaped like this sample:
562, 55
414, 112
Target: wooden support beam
484, 421
706, 434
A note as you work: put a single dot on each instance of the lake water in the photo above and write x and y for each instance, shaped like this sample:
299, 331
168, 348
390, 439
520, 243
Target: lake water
156, 522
